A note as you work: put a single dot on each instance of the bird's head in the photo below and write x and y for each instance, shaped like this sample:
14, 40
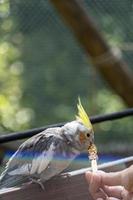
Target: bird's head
80, 132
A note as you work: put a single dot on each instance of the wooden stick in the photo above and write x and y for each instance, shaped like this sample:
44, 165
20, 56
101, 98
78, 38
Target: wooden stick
114, 70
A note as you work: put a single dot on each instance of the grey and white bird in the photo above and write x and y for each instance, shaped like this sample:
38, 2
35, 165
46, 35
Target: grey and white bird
48, 153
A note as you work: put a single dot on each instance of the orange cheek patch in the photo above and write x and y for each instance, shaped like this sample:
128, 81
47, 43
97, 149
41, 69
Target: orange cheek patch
82, 137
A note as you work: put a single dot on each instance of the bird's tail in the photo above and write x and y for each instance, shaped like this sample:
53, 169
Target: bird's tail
8, 181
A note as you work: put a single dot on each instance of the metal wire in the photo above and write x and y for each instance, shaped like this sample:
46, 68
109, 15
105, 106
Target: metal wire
93, 119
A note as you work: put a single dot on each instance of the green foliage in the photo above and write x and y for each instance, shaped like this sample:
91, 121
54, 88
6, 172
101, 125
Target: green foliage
43, 71
12, 114
118, 131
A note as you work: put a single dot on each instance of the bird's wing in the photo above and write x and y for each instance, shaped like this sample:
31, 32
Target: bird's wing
34, 155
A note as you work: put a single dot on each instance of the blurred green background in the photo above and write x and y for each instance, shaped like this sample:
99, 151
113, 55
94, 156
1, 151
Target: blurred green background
43, 69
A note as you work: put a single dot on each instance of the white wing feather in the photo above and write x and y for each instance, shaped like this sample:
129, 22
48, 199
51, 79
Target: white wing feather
41, 163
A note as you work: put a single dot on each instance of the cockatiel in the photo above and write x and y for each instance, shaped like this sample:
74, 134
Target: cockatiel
48, 153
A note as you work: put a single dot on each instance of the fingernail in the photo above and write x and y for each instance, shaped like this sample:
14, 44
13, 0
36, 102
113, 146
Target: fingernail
99, 199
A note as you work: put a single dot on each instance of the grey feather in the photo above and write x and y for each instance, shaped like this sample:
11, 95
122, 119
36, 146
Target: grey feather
18, 169
11, 181
43, 155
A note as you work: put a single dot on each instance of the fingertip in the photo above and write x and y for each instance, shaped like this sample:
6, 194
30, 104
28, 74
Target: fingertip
89, 173
100, 172
88, 176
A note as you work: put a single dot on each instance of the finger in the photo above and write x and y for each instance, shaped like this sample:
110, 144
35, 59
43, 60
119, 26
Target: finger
99, 199
126, 195
109, 198
112, 178
118, 192
100, 195
114, 191
127, 178
88, 176
94, 181
112, 198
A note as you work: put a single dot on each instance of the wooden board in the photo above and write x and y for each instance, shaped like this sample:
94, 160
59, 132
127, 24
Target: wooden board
69, 186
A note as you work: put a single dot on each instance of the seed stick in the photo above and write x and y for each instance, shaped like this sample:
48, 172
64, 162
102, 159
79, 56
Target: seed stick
92, 150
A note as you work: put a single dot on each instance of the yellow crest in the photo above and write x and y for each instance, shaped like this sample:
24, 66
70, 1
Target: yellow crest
82, 115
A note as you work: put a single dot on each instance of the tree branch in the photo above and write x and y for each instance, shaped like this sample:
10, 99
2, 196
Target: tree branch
114, 70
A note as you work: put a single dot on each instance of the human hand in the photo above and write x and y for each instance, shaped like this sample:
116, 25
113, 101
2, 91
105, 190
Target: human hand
108, 186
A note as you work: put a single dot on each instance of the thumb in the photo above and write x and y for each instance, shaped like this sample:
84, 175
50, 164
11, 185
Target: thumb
127, 178
111, 179
124, 178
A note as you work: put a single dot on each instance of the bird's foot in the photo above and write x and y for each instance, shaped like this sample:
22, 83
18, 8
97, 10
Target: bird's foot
38, 181
64, 175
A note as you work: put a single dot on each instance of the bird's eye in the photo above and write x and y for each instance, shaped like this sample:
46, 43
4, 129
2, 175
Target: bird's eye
88, 134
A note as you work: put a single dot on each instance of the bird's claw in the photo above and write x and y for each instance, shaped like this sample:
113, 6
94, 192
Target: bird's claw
38, 181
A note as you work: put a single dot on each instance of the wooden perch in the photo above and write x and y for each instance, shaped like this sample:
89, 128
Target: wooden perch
114, 70
69, 186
